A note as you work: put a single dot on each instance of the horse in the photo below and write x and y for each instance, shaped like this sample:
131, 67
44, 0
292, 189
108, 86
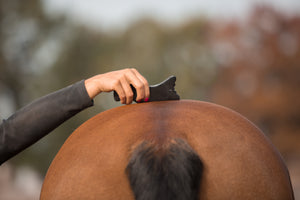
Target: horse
182, 149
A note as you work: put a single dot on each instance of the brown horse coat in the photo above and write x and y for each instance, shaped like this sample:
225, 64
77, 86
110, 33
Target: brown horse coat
239, 161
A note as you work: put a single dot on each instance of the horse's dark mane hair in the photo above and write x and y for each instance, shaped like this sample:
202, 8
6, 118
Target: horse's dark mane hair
168, 172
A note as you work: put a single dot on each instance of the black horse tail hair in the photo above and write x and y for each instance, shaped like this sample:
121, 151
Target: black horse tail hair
170, 171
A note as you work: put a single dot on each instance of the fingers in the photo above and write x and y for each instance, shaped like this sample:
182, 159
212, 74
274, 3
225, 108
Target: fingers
139, 83
128, 92
122, 95
119, 81
129, 77
143, 91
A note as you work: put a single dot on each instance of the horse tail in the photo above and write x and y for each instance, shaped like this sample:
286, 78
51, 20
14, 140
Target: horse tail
165, 171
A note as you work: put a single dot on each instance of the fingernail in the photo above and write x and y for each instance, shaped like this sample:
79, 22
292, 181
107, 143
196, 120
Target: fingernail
147, 99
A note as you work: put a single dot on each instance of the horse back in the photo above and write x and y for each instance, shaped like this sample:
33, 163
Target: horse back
239, 162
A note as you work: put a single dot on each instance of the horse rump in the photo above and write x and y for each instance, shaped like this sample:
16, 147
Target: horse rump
166, 171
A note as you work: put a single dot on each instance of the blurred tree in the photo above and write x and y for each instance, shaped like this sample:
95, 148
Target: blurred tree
260, 73
29, 43
25, 31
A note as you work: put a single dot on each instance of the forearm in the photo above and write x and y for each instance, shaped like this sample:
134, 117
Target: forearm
39, 118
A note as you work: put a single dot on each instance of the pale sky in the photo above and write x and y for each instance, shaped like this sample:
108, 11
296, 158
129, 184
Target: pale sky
119, 13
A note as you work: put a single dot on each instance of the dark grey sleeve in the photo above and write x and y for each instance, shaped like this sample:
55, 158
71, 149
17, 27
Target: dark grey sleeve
37, 119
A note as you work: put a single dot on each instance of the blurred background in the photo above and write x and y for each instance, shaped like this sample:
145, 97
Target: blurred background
244, 55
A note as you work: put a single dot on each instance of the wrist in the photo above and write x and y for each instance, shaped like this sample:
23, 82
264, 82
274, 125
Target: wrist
91, 87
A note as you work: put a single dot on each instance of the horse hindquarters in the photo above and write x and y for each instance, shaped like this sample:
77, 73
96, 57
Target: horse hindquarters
97, 160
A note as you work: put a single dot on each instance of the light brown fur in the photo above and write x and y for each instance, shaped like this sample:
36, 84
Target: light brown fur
239, 161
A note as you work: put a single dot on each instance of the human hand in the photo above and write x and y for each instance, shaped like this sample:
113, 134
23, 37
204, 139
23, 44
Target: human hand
119, 81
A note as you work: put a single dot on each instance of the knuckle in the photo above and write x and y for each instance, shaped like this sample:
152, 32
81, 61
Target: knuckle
146, 84
127, 70
133, 69
122, 97
130, 95
139, 86
123, 100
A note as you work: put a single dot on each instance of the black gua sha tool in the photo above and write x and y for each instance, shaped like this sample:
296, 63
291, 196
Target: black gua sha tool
160, 92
